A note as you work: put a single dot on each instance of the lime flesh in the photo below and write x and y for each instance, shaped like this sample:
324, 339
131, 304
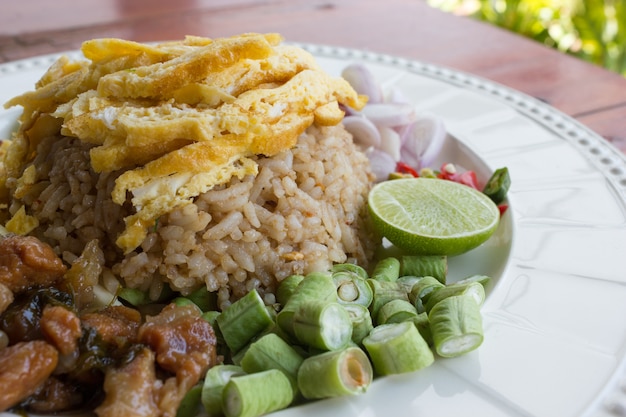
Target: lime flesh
430, 216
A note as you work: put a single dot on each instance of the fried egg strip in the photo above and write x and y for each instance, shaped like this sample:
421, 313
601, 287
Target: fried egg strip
158, 80
46, 98
138, 225
161, 185
106, 49
247, 74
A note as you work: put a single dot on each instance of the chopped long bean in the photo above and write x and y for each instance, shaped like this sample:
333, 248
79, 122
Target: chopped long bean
383, 292
456, 325
475, 290
137, 297
352, 288
191, 406
408, 281
396, 311
346, 267
421, 291
183, 301
207, 301
133, 296
387, 269
272, 352
314, 286
422, 324
482, 279
211, 317
256, 394
215, 380
287, 287
423, 265
243, 320
334, 374
397, 348
322, 325
361, 321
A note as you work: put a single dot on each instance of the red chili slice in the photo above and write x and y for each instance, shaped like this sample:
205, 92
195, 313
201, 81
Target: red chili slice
406, 169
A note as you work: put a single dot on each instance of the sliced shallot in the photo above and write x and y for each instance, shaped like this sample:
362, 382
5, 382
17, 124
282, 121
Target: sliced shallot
364, 132
390, 142
424, 140
363, 82
381, 162
389, 114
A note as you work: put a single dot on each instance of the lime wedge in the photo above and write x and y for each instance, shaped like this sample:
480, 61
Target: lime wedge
429, 216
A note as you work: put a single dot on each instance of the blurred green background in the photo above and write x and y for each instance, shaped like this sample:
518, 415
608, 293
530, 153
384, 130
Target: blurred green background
593, 30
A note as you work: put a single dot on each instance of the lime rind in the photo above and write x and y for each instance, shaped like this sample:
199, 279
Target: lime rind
432, 216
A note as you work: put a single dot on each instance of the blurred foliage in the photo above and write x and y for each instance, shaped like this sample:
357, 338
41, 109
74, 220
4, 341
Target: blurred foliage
594, 30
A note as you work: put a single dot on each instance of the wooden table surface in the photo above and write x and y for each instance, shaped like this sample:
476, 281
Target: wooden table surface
406, 28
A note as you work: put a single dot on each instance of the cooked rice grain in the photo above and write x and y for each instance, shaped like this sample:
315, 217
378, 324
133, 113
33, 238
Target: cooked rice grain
304, 211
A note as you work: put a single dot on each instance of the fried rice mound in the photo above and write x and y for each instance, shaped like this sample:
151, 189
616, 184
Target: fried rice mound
302, 212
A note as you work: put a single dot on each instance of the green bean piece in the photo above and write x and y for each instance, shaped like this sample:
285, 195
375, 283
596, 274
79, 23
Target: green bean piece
256, 394
387, 269
272, 312
408, 281
383, 292
425, 265
273, 328
133, 296
314, 286
272, 352
396, 311
211, 317
456, 325
183, 302
482, 279
136, 297
351, 288
423, 326
236, 357
498, 185
191, 406
397, 348
243, 320
287, 287
322, 325
207, 301
278, 331
334, 374
421, 291
215, 380
347, 267
361, 321
473, 289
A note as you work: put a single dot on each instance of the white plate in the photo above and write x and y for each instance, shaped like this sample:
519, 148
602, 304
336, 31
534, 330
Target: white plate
555, 327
